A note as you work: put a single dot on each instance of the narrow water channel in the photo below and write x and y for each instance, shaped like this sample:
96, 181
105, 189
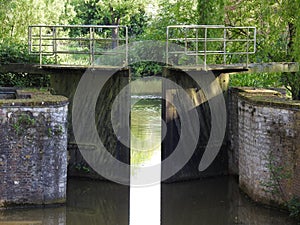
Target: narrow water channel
145, 152
213, 201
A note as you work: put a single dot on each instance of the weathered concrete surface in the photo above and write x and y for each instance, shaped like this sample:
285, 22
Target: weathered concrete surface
33, 149
200, 101
265, 145
273, 67
66, 83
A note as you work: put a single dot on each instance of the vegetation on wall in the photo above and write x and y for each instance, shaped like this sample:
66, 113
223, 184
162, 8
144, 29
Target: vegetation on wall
280, 174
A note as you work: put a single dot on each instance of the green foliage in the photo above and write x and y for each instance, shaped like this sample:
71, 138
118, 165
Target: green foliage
144, 69
278, 174
265, 80
23, 121
82, 167
24, 80
278, 32
171, 13
111, 12
294, 207
277, 22
15, 53
16, 16
211, 12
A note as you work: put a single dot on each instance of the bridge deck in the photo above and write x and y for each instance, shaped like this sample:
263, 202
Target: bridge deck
229, 68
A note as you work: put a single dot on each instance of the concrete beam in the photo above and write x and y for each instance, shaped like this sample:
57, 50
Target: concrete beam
49, 69
272, 67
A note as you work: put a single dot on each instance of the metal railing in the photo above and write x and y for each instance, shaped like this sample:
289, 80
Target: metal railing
105, 45
79, 44
199, 42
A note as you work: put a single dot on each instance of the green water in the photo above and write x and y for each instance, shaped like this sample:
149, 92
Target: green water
145, 130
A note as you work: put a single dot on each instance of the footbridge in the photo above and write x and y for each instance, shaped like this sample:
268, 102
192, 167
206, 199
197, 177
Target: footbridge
197, 58
189, 47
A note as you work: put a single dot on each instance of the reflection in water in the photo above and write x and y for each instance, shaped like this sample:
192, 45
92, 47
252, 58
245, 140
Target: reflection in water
145, 151
145, 131
215, 201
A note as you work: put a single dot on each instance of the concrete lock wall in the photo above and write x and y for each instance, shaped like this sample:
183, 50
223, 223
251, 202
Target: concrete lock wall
265, 146
188, 80
66, 83
33, 149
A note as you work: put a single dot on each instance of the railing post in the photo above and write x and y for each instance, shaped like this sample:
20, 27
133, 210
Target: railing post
29, 39
167, 47
205, 46
254, 40
127, 47
185, 41
92, 52
197, 47
247, 61
40, 46
224, 49
54, 44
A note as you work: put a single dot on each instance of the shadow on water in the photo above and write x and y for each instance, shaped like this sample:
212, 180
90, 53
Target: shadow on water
216, 201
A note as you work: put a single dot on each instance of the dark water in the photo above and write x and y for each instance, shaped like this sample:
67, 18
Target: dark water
214, 201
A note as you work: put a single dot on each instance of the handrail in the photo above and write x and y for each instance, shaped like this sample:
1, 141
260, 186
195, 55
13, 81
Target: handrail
55, 41
209, 40
194, 44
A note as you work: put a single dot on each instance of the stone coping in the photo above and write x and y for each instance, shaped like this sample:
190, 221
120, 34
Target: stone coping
266, 97
31, 97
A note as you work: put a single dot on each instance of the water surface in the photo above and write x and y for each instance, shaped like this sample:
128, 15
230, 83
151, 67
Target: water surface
214, 201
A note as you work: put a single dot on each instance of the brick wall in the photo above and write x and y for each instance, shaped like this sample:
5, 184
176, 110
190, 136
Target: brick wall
265, 144
33, 151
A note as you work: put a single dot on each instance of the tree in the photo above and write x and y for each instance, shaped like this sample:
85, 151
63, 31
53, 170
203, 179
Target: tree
171, 13
112, 12
291, 12
17, 15
210, 12
278, 31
